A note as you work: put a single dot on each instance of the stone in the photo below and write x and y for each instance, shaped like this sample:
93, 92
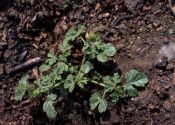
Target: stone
167, 105
156, 24
1, 69
134, 5
130, 109
170, 66
91, 1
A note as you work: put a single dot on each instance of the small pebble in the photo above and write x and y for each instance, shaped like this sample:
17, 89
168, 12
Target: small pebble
130, 110
156, 24
170, 31
97, 6
167, 116
167, 105
91, 1
170, 66
1, 69
105, 15
159, 28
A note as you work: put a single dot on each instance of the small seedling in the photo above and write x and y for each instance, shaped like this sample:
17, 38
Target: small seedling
63, 74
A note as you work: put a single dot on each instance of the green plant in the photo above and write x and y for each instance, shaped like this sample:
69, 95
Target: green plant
62, 74
66, 2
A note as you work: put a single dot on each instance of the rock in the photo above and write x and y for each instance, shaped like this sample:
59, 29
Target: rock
161, 62
149, 26
167, 116
130, 110
167, 105
159, 72
146, 8
97, 6
170, 66
91, 1
105, 15
171, 31
167, 51
133, 5
159, 28
1, 69
99, 28
156, 24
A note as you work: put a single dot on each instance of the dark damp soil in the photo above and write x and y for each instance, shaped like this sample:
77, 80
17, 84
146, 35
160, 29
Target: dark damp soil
30, 28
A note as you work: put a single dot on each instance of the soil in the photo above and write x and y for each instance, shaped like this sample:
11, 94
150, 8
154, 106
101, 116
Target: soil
30, 28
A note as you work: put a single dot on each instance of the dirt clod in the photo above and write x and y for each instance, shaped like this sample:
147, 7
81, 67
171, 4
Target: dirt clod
1, 69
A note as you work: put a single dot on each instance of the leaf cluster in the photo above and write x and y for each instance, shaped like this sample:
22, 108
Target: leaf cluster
63, 75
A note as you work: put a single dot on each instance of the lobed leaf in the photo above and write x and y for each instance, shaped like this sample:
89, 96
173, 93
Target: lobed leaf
44, 67
52, 58
109, 50
48, 107
134, 79
69, 83
70, 36
111, 82
21, 88
97, 101
87, 67
101, 57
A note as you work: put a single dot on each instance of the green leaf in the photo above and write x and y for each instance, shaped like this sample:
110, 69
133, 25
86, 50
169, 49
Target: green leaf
73, 33
48, 107
69, 83
44, 67
109, 50
52, 58
109, 85
81, 80
63, 57
117, 94
87, 67
116, 78
130, 90
73, 69
97, 101
134, 79
101, 57
61, 67
102, 106
45, 82
70, 36
111, 82
21, 88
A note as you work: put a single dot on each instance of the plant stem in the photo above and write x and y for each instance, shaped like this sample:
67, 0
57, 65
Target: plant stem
83, 39
104, 93
97, 83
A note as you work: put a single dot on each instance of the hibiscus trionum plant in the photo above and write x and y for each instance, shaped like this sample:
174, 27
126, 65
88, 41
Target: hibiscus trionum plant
76, 66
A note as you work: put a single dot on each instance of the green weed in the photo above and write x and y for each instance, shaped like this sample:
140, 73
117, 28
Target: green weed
64, 75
